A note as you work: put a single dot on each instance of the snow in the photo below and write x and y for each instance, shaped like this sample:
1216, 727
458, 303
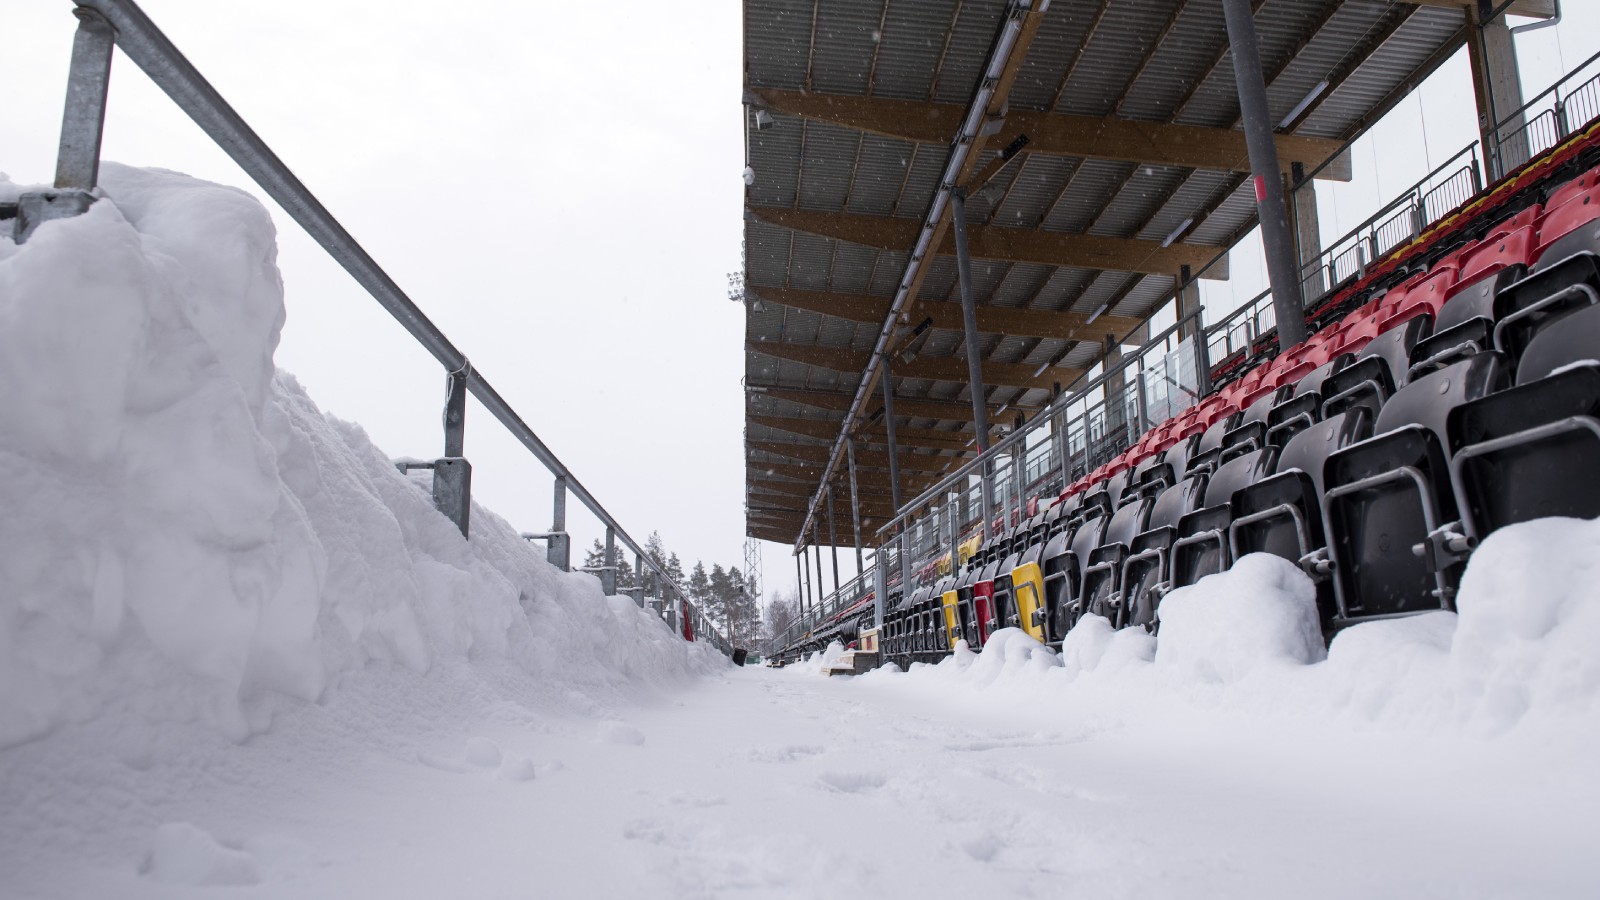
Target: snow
241, 655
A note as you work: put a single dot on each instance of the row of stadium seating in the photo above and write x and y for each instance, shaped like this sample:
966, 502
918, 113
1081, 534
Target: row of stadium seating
1460, 398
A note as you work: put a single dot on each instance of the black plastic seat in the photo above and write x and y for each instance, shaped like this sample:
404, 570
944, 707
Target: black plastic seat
1102, 568
1388, 503
1063, 567
1377, 372
1552, 292
1303, 408
1250, 428
1282, 514
1177, 456
1531, 451
1465, 324
1146, 569
1208, 449
1201, 547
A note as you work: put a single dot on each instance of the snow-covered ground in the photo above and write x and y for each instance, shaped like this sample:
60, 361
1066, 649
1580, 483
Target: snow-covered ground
240, 655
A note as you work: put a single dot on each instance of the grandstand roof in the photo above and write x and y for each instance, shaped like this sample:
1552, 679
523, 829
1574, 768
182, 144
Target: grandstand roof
1132, 127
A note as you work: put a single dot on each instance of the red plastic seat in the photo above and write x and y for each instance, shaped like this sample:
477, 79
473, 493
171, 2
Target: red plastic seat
1560, 221
1496, 252
1574, 188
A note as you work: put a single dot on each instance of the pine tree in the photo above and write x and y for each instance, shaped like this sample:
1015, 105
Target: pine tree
699, 586
721, 590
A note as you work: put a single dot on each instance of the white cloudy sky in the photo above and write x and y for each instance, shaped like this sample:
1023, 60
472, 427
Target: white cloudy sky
557, 186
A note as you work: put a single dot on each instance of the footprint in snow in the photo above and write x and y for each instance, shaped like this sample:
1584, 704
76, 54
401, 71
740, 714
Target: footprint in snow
180, 853
479, 753
789, 754
620, 733
853, 782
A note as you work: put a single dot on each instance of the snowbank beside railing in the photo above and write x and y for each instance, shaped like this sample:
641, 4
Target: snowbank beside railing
1518, 655
186, 537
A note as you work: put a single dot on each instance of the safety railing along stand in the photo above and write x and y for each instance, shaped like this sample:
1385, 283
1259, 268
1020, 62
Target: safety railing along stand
104, 24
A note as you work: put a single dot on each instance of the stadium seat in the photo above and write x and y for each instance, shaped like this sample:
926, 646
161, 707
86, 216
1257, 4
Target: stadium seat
1063, 569
1304, 407
1250, 428
1377, 372
1388, 503
1530, 451
1497, 252
1146, 570
1102, 568
1568, 226
1551, 292
1201, 546
1282, 514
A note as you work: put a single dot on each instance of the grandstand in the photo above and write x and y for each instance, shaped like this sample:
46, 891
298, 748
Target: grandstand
1397, 395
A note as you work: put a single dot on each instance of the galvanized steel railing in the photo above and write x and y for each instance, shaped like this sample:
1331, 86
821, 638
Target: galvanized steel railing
103, 23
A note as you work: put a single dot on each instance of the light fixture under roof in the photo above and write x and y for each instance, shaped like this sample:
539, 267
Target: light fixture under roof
1177, 232
1305, 101
1096, 314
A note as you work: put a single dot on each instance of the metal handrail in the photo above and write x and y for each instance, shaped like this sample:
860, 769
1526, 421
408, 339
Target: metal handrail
153, 52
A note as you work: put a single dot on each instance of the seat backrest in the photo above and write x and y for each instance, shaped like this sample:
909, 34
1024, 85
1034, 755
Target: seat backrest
1308, 450
1475, 299
1560, 194
1564, 220
1242, 470
1177, 501
1117, 485
1428, 400
1311, 383
1576, 340
1549, 293
1394, 346
1128, 521
1177, 456
1497, 252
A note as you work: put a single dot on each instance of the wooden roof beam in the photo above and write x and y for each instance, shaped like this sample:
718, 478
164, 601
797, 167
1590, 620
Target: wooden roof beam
1058, 134
839, 401
1004, 320
936, 368
865, 459
872, 433
1084, 251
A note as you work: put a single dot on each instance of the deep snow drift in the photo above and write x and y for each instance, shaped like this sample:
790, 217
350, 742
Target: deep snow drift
240, 655
190, 550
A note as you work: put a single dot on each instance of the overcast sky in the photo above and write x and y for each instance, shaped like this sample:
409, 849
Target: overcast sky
557, 185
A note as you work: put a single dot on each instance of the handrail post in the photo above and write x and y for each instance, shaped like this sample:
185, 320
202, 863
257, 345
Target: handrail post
608, 569
82, 128
452, 474
559, 551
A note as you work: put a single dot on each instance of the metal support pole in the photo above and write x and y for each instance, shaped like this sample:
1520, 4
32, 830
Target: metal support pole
455, 414
638, 579
84, 119
880, 587
799, 588
559, 551
888, 424
1270, 207
905, 563
608, 571
82, 126
855, 502
833, 539
822, 597
956, 535
452, 474
808, 601
969, 320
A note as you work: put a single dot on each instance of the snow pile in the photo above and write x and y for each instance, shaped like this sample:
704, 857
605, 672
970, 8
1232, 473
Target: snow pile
187, 538
1261, 612
1520, 652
